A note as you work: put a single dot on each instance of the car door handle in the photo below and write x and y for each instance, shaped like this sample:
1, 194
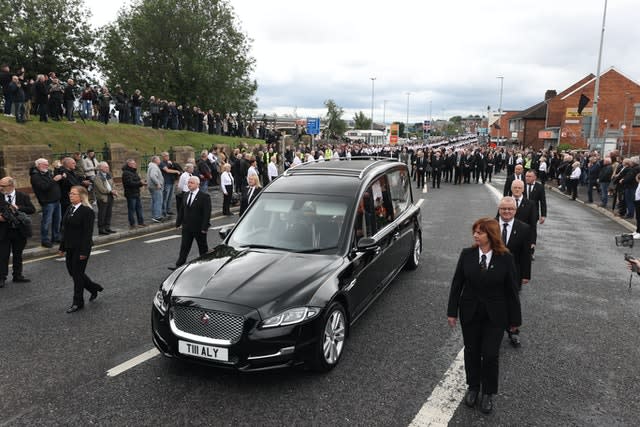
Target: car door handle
377, 250
396, 235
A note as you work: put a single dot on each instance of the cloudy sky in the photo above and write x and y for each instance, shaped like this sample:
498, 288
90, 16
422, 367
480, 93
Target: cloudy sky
447, 54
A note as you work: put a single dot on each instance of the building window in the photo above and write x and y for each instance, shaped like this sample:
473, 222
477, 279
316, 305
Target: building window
636, 115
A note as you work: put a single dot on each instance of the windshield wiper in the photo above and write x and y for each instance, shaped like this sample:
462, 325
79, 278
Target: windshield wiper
254, 246
314, 250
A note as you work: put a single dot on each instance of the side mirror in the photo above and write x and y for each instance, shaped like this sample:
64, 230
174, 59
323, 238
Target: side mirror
367, 244
224, 232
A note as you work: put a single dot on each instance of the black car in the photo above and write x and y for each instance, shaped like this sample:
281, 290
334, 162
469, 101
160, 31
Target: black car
311, 253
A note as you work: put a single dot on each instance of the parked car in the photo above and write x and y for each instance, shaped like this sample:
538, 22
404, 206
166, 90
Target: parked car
309, 256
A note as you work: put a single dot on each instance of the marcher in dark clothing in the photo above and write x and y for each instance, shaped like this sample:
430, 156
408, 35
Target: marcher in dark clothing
131, 182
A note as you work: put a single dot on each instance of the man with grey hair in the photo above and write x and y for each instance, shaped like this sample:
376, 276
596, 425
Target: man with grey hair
105, 192
194, 218
155, 182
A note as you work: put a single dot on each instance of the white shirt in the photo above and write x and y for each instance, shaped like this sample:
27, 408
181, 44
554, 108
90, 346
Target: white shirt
542, 167
225, 179
488, 255
13, 197
192, 195
273, 171
182, 182
251, 171
575, 174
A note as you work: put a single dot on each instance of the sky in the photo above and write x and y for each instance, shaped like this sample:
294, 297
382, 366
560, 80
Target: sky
430, 59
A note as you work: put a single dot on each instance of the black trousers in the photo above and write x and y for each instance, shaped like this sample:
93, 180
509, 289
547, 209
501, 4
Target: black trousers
481, 350
76, 268
179, 200
226, 200
15, 243
419, 178
187, 240
437, 175
457, 176
105, 210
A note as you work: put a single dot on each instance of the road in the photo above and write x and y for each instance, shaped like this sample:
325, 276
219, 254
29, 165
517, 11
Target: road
578, 364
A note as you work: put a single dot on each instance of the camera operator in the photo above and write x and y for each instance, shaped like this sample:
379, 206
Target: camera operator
13, 237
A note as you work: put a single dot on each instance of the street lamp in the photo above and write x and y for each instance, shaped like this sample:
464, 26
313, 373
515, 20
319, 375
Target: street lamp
596, 90
406, 131
373, 79
500, 110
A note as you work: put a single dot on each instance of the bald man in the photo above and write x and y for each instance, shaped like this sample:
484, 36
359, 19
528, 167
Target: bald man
13, 238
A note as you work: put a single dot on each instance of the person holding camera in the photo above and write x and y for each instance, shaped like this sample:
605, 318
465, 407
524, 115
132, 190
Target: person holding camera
13, 233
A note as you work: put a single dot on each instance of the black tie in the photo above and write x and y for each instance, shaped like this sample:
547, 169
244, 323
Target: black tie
517, 203
483, 262
250, 194
504, 232
189, 201
529, 191
10, 197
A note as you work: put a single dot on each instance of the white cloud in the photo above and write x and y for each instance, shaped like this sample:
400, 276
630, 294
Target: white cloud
446, 53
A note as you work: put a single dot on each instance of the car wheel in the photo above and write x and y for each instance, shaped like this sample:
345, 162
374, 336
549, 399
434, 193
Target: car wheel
416, 250
331, 340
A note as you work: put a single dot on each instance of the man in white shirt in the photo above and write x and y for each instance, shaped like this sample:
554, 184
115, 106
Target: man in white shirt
272, 169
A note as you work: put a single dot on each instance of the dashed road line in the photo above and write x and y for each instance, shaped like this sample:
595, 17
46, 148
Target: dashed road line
149, 354
98, 252
162, 239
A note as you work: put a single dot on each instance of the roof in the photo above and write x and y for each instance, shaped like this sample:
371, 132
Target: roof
537, 112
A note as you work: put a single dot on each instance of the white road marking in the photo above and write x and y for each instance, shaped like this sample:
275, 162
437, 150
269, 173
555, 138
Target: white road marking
133, 362
445, 398
222, 226
161, 239
98, 252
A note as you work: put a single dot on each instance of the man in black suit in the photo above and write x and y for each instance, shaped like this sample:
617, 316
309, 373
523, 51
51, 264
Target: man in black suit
421, 169
526, 209
510, 162
249, 193
517, 174
13, 237
516, 235
534, 191
194, 218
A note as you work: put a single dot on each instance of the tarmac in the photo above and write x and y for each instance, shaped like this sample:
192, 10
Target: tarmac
119, 223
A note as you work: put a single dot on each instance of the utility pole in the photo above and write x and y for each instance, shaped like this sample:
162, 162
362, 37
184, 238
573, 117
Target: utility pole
596, 92
406, 131
373, 79
500, 110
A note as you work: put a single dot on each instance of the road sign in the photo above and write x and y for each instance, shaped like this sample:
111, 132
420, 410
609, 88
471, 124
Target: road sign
313, 125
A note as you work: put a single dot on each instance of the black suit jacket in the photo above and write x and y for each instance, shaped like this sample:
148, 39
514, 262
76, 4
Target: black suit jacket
195, 218
23, 201
507, 184
77, 230
527, 213
495, 288
245, 201
519, 244
539, 198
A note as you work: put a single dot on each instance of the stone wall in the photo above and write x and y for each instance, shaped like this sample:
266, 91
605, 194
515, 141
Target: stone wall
16, 160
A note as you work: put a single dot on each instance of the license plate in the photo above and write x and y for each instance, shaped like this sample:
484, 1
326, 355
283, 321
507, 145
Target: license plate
203, 351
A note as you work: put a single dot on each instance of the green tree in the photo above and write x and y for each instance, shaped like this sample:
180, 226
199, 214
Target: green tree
190, 51
335, 125
361, 121
47, 35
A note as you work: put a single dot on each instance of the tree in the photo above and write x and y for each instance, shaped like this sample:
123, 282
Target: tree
361, 121
190, 51
47, 35
335, 125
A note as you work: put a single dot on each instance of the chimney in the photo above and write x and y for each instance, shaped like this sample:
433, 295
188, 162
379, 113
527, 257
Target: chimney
549, 94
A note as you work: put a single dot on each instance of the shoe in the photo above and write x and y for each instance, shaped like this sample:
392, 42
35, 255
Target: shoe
2, 283
172, 268
74, 308
170, 213
141, 225
103, 233
47, 244
94, 295
156, 219
486, 403
636, 235
514, 340
470, 398
20, 279
110, 231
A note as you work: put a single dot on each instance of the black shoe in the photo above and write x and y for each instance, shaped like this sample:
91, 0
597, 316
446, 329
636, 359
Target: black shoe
94, 294
47, 244
470, 398
74, 308
110, 231
103, 233
156, 219
172, 268
514, 340
20, 279
486, 403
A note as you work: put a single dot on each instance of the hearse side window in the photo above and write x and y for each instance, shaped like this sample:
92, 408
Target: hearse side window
399, 187
375, 209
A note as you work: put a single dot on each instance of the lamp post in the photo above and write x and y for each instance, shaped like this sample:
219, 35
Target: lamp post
373, 79
500, 109
596, 91
384, 114
406, 130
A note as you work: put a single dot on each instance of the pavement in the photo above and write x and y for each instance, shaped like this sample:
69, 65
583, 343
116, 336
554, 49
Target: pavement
119, 223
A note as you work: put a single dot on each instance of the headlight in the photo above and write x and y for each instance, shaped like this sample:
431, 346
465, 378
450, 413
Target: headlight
159, 302
291, 317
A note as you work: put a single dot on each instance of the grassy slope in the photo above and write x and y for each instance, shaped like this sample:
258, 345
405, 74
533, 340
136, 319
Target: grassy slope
68, 137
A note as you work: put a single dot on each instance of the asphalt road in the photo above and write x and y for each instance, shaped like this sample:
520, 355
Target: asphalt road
578, 364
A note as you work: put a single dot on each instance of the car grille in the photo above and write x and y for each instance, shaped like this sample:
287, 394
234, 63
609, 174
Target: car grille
221, 326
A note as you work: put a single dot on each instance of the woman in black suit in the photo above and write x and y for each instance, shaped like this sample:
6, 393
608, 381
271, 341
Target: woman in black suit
76, 241
250, 193
484, 292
